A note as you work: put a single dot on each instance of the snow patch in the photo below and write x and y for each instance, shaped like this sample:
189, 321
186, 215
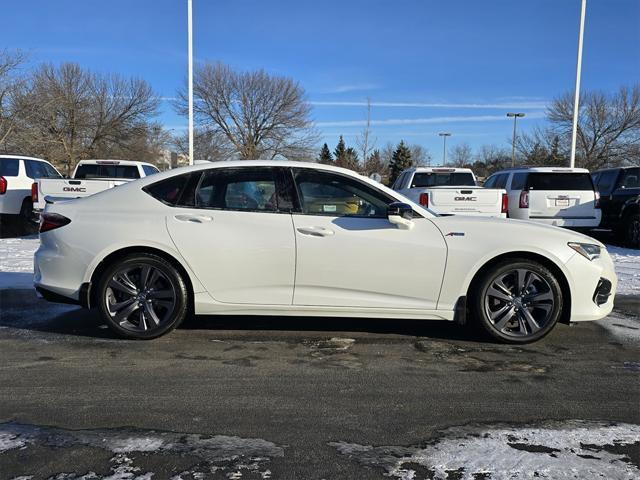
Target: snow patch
627, 265
16, 262
11, 441
557, 450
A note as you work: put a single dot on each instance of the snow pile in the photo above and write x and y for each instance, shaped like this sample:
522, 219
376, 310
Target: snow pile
627, 262
16, 261
559, 450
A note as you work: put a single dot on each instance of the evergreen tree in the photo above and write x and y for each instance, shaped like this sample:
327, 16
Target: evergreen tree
349, 160
374, 164
340, 151
401, 160
325, 155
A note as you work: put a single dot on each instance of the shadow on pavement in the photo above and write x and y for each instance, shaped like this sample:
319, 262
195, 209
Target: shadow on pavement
21, 309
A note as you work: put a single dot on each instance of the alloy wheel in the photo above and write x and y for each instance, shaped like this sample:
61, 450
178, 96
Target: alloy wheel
140, 297
519, 303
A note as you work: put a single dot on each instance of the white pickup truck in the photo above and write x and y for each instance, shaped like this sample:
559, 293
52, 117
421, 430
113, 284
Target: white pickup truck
89, 177
451, 191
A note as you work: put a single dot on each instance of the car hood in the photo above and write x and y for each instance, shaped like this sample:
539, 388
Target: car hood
516, 232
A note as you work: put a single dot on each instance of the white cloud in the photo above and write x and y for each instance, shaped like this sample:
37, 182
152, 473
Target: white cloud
352, 87
531, 105
423, 121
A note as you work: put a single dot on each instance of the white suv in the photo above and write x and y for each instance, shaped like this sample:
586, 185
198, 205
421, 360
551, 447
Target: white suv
558, 196
17, 174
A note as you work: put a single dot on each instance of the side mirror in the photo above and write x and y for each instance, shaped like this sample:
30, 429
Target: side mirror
401, 215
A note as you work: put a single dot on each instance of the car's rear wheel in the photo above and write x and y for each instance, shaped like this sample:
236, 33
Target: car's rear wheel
517, 301
632, 233
142, 296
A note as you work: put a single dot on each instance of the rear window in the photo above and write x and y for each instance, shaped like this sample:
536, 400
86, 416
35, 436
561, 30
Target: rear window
433, 179
9, 167
106, 171
559, 181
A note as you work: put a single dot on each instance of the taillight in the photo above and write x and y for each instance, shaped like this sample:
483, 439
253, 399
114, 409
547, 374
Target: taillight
597, 199
505, 203
3, 185
51, 221
34, 192
424, 200
524, 199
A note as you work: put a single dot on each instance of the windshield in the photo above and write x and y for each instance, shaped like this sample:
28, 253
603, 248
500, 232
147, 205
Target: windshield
452, 179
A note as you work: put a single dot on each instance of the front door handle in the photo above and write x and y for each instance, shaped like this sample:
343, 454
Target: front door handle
193, 218
316, 231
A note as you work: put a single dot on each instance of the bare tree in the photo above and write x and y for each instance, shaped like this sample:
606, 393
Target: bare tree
364, 141
209, 145
420, 155
461, 155
262, 116
10, 84
608, 126
70, 114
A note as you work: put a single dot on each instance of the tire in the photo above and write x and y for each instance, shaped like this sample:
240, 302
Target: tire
632, 230
137, 309
26, 225
508, 314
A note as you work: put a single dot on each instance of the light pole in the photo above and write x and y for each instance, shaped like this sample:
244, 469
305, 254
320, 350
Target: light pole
576, 100
444, 136
513, 143
190, 76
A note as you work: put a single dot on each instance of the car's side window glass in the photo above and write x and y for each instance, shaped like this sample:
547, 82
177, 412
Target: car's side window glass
631, 178
490, 182
605, 182
250, 189
149, 170
326, 193
168, 191
501, 180
518, 181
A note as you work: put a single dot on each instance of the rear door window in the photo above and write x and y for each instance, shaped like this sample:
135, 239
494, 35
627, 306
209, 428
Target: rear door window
501, 180
442, 179
559, 181
9, 167
37, 169
631, 178
149, 170
605, 181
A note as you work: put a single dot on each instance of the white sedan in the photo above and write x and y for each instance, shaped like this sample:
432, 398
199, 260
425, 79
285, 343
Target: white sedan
287, 238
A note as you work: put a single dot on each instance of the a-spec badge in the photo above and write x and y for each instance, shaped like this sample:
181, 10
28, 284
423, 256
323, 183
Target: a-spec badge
455, 234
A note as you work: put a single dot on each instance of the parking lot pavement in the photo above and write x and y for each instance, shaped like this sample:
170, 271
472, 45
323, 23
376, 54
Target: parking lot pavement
307, 398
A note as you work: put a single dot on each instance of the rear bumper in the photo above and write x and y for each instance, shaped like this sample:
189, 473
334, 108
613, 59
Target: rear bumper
84, 295
579, 222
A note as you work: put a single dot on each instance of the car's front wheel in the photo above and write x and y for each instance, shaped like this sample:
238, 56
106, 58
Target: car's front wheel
517, 301
142, 296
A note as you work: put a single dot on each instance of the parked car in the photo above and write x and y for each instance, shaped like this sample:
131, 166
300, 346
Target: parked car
565, 197
17, 174
619, 190
90, 177
294, 238
451, 191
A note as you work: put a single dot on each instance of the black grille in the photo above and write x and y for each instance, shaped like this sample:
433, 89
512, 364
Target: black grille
603, 292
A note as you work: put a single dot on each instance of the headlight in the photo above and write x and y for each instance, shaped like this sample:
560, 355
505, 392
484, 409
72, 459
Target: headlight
587, 250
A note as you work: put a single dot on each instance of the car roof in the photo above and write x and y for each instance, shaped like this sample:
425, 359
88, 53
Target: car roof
543, 170
438, 168
24, 157
110, 161
266, 163
612, 169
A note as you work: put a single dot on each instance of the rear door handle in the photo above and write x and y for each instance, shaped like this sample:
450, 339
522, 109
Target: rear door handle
316, 231
193, 218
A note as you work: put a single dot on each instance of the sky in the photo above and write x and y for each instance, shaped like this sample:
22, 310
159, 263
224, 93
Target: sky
428, 66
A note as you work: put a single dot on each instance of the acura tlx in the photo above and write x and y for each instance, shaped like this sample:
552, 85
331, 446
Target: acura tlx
303, 239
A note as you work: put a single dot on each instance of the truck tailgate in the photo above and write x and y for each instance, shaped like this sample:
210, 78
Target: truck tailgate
466, 200
70, 188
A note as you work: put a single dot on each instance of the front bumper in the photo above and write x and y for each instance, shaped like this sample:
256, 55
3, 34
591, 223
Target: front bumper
593, 285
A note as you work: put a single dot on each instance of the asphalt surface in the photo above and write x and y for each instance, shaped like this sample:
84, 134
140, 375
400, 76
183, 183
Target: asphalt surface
312, 398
